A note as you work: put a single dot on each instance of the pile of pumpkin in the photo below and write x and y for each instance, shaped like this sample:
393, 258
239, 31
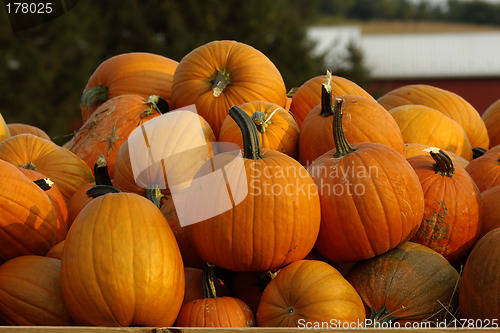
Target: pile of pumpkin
358, 212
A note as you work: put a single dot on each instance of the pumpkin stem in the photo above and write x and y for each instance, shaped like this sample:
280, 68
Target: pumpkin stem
326, 96
251, 142
94, 95
341, 144
103, 184
444, 165
44, 183
264, 278
208, 281
382, 316
154, 195
292, 92
478, 152
220, 82
29, 166
158, 104
261, 120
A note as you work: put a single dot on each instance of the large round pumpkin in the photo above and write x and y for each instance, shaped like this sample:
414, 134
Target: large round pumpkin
63, 167
276, 223
220, 74
121, 265
447, 102
408, 283
490, 216
480, 282
485, 170
30, 292
307, 294
139, 73
371, 199
491, 118
28, 222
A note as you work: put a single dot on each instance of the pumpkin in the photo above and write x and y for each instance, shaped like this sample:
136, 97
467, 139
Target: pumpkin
56, 251
422, 124
220, 74
4, 129
371, 199
365, 121
480, 282
415, 149
110, 125
308, 95
276, 223
214, 311
491, 118
452, 215
121, 265
277, 128
249, 286
180, 138
194, 285
308, 293
18, 128
58, 202
485, 170
447, 102
63, 167
30, 292
138, 73
28, 223
490, 210
408, 283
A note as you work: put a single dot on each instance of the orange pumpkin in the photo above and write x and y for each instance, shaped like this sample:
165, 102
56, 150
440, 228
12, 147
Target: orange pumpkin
139, 73
18, 128
416, 149
447, 102
485, 170
490, 210
4, 129
220, 74
249, 286
491, 118
56, 251
194, 285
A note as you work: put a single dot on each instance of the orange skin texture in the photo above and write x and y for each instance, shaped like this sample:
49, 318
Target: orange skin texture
415, 149
121, 260
282, 134
28, 222
56, 251
310, 291
30, 292
447, 102
452, 217
309, 94
408, 281
137, 73
216, 312
490, 210
108, 128
63, 167
276, 223
480, 282
485, 170
18, 128
371, 201
491, 118
421, 124
252, 76
364, 120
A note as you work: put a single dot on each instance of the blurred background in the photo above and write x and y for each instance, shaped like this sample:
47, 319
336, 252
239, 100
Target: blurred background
379, 44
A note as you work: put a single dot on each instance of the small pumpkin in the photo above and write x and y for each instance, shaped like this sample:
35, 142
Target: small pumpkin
491, 118
485, 170
415, 149
194, 285
490, 210
19, 128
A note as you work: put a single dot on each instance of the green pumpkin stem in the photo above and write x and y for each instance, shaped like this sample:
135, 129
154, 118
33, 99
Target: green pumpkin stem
220, 82
251, 141
154, 195
326, 96
103, 184
97, 94
158, 104
341, 144
444, 165
44, 183
208, 283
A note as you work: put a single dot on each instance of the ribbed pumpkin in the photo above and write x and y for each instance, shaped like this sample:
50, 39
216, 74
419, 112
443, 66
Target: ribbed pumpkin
447, 102
28, 222
309, 293
56, 251
30, 292
308, 95
452, 216
422, 124
18, 128
490, 215
214, 311
416, 149
63, 167
491, 118
139, 73
110, 125
371, 199
4, 129
275, 224
485, 170
365, 121
220, 74
121, 265
408, 283
277, 128
480, 282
